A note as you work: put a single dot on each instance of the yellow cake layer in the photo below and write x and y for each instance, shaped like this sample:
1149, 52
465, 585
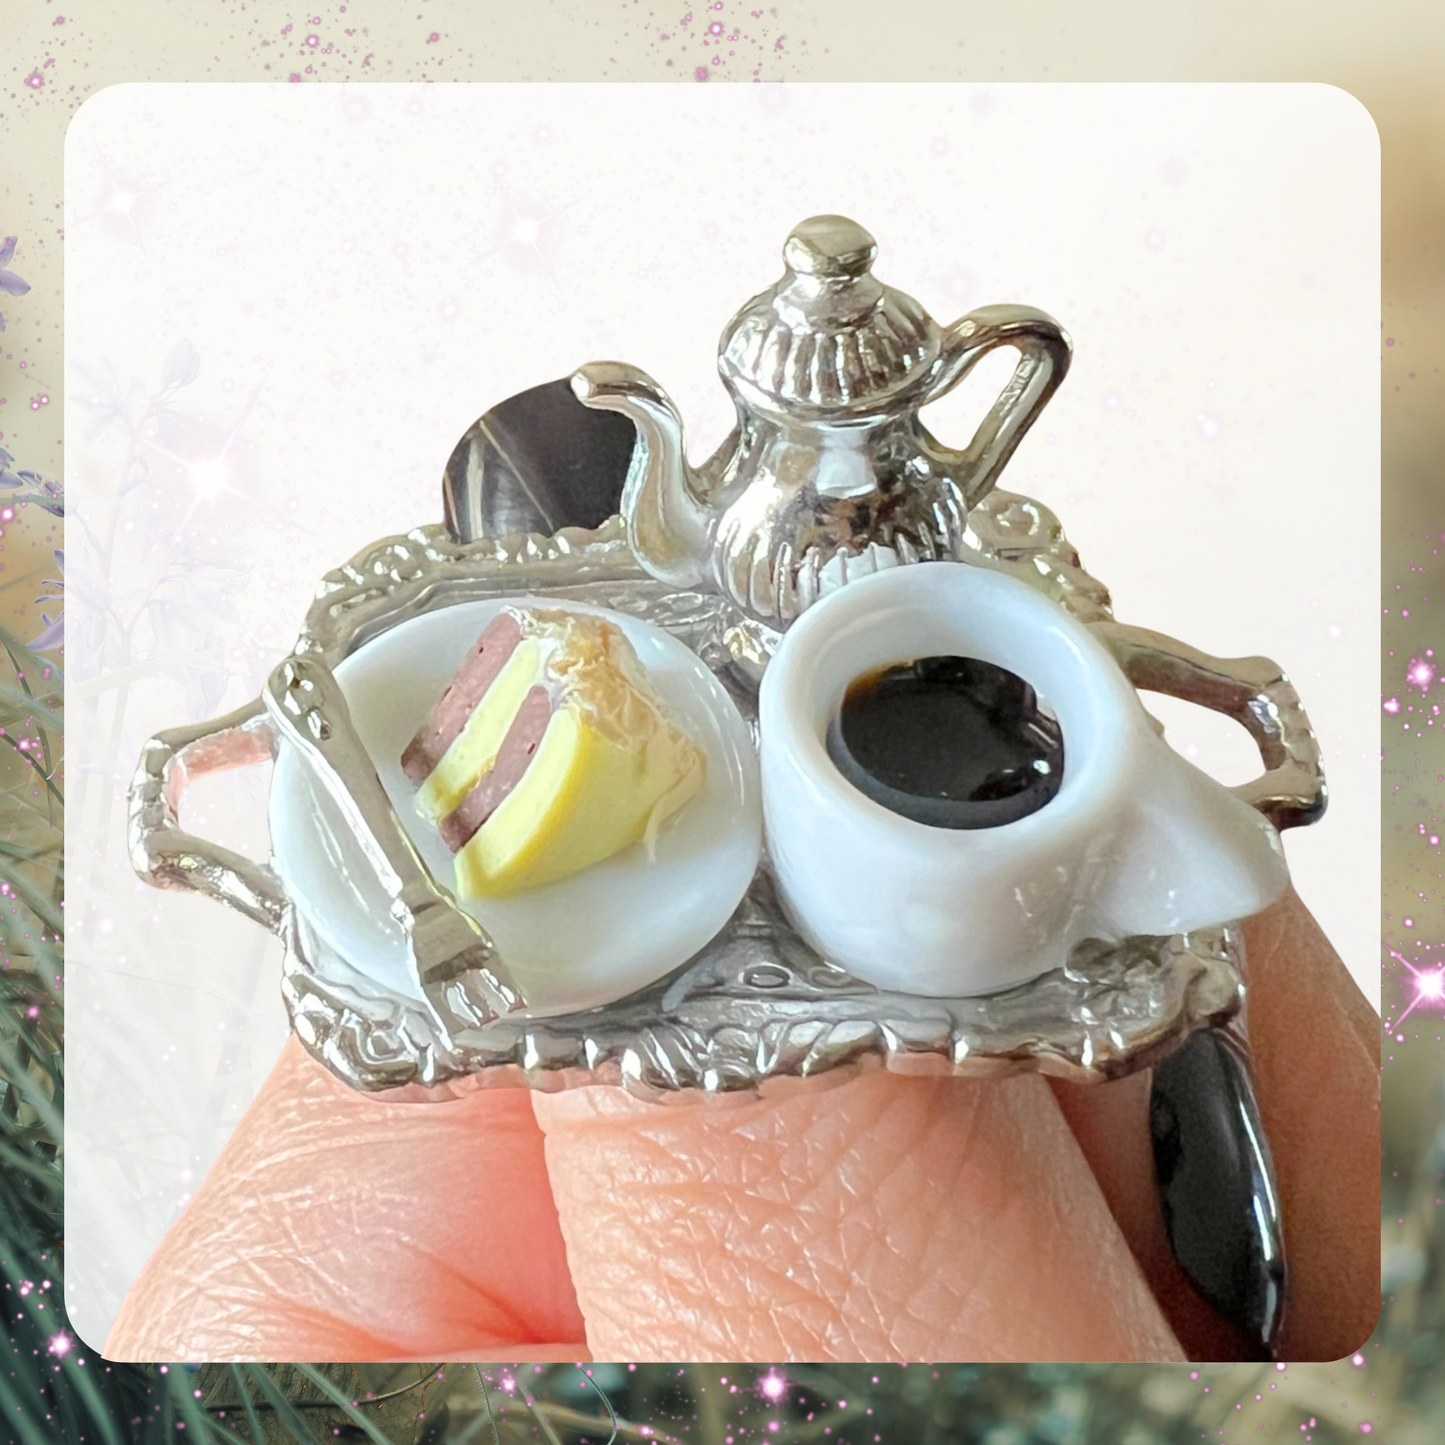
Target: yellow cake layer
584, 797
609, 769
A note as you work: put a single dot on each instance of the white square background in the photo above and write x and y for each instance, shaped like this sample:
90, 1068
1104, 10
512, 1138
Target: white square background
362, 271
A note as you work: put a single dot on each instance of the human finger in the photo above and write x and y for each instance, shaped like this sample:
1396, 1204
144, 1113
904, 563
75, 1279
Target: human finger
1111, 1123
1315, 1046
884, 1218
334, 1226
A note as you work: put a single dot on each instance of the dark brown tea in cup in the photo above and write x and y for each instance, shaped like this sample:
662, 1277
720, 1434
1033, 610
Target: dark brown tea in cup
952, 742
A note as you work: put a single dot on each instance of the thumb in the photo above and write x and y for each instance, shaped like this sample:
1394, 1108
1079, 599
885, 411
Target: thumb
884, 1218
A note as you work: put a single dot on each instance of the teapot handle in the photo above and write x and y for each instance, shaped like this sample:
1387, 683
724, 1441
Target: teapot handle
1044, 351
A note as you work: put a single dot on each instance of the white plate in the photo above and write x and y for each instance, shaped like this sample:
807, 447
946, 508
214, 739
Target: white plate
585, 940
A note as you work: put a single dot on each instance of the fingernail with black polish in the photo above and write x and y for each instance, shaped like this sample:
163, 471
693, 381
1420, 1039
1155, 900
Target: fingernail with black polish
1216, 1181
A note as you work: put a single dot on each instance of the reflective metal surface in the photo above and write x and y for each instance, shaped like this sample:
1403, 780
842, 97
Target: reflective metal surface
829, 462
756, 1008
453, 962
828, 475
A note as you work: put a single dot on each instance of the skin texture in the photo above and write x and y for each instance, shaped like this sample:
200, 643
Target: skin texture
333, 1227
1317, 1065
1315, 1042
886, 1218
1111, 1123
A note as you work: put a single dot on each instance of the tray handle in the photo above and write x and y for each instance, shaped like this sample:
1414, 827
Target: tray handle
456, 967
164, 854
1254, 692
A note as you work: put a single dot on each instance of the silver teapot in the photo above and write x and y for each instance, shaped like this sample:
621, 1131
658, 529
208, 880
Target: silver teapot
829, 461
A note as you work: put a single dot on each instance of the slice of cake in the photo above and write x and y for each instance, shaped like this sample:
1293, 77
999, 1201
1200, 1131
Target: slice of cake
547, 752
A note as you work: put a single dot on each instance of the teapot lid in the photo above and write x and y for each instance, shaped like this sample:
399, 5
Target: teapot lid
829, 336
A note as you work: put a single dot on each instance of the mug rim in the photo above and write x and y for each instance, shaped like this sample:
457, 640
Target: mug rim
794, 714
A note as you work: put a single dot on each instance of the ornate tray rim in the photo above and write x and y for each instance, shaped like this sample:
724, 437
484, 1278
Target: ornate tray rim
756, 1011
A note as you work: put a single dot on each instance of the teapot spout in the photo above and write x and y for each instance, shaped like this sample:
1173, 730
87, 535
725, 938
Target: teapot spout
669, 527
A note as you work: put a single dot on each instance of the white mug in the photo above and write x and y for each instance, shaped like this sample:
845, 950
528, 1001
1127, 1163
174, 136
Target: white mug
1136, 840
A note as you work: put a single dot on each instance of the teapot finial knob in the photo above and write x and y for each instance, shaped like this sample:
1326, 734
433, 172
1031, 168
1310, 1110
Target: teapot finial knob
830, 247
829, 467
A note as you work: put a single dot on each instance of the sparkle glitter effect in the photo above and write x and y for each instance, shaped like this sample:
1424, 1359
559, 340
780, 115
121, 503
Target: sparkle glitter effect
209, 477
1428, 985
120, 201
526, 231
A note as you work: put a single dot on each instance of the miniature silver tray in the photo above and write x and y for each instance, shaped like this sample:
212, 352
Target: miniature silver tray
756, 1007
